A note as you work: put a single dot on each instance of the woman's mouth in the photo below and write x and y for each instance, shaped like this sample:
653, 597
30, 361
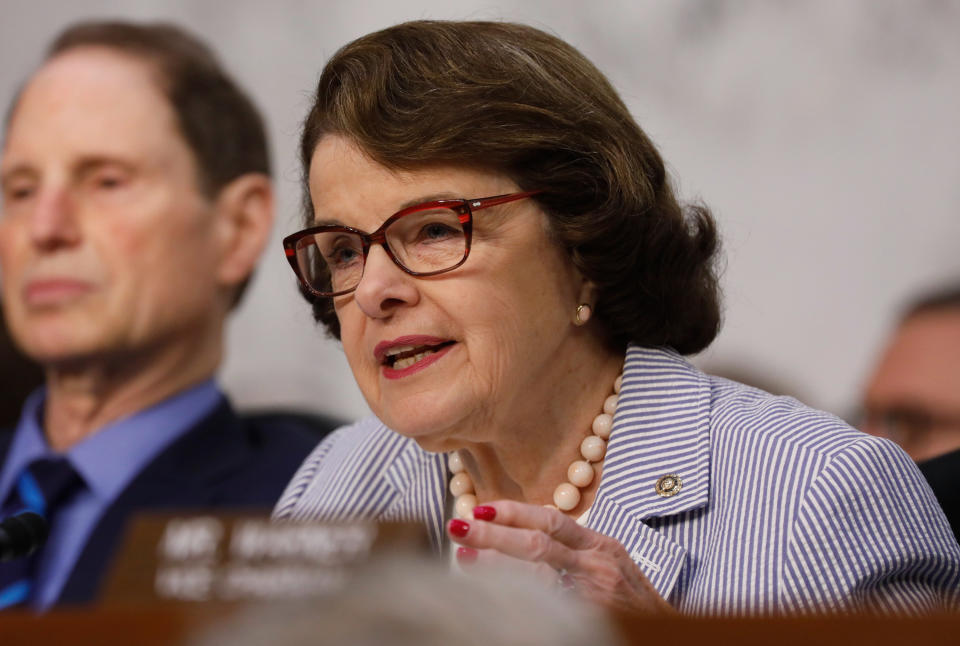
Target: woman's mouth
405, 356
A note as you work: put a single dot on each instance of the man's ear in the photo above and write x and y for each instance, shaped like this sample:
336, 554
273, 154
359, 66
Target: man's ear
244, 209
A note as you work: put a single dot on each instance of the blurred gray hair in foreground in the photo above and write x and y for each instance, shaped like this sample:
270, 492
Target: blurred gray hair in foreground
421, 603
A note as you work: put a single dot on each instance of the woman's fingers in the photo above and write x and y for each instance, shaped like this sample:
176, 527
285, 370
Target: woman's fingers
474, 561
560, 551
519, 543
551, 522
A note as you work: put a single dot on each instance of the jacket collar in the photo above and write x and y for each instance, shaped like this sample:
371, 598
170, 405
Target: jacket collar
181, 477
661, 428
420, 483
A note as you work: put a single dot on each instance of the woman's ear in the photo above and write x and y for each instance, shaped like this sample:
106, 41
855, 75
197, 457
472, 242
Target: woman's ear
588, 294
244, 211
585, 303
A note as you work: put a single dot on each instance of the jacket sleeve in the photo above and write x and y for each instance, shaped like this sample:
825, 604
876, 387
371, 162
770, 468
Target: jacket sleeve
304, 475
870, 536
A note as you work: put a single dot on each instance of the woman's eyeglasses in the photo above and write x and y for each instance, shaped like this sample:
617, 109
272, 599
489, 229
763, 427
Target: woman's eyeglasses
423, 240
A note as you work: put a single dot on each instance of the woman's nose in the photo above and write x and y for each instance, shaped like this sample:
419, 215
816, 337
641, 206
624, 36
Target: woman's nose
384, 287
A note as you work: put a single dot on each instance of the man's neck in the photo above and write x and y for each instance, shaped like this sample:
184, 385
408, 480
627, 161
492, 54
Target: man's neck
82, 399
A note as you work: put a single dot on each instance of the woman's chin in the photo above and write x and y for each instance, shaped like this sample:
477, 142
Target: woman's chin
432, 433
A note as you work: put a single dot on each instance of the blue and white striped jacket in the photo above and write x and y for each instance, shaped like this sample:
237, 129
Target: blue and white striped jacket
782, 508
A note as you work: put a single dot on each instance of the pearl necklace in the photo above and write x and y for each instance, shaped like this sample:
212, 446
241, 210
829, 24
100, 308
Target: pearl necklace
579, 474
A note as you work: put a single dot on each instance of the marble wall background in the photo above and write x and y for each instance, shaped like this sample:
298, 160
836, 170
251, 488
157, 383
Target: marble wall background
823, 135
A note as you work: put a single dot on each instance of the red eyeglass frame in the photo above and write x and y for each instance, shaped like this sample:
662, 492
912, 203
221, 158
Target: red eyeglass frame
463, 207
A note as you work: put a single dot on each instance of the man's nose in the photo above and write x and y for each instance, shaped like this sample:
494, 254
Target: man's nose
53, 222
384, 286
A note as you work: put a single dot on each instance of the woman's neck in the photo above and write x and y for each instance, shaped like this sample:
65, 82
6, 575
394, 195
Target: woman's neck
535, 439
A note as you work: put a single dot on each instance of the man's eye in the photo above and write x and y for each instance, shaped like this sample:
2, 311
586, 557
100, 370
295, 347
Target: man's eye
18, 193
109, 181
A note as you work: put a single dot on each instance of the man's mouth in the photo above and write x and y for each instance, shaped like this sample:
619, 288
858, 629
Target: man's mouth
399, 357
56, 291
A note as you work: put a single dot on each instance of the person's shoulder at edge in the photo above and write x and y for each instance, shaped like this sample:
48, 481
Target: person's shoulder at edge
341, 448
847, 479
280, 428
737, 408
771, 427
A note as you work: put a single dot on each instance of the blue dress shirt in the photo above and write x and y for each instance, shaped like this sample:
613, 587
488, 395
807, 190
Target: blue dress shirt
108, 460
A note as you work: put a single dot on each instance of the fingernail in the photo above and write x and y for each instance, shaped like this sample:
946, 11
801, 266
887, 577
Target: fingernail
466, 555
484, 512
458, 527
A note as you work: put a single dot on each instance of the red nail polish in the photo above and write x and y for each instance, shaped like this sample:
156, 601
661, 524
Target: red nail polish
484, 512
466, 555
458, 527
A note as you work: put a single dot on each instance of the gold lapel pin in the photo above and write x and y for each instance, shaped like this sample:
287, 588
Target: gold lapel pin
668, 485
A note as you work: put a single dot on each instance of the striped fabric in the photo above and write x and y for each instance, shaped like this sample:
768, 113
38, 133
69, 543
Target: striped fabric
782, 509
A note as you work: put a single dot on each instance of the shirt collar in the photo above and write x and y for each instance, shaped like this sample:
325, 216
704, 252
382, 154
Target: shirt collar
110, 458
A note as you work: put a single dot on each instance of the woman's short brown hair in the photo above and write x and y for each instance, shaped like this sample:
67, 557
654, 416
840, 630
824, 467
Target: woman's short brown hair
515, 99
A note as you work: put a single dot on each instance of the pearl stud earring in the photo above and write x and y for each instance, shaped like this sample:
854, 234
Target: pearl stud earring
582, 315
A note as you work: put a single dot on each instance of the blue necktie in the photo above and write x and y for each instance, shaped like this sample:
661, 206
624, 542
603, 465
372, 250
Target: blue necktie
43, 486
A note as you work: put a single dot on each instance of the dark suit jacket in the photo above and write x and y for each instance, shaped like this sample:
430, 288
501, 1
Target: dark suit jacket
225, 462
943, 474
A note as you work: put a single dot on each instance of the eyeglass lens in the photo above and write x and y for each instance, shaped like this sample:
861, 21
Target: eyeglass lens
427, 241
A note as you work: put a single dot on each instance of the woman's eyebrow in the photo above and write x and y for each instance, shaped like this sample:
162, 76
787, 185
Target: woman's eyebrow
432, 197
421, 199
327, 222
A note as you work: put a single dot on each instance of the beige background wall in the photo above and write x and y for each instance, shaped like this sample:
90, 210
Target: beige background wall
823, 134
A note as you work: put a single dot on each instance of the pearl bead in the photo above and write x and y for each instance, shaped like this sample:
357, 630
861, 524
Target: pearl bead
464, 505
592, 448
461, 484
602, 424
610, 405
566, 496
580, 473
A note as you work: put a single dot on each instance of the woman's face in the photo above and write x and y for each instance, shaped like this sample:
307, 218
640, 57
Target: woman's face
487, 337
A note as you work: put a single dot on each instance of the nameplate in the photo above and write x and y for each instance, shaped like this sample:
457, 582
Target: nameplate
204, 558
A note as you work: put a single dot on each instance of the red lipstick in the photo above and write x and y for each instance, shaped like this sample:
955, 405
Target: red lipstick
407, 355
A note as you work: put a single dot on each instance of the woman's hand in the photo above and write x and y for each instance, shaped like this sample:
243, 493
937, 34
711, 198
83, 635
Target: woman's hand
597, 567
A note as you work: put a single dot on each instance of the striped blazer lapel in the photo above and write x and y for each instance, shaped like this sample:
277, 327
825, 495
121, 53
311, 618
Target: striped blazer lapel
421, 484
661, 428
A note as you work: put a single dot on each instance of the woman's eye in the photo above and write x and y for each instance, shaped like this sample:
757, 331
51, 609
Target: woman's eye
342, 256
437, 231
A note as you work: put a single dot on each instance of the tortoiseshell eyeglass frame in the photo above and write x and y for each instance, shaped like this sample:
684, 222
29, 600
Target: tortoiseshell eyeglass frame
464, 209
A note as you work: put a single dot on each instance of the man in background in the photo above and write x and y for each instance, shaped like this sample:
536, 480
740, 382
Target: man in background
913, 395
136, 202
18, 377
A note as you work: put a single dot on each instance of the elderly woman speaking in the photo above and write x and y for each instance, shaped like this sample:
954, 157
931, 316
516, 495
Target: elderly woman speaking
496, 243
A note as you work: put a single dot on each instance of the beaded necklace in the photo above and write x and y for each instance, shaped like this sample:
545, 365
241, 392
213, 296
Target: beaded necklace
579, 474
